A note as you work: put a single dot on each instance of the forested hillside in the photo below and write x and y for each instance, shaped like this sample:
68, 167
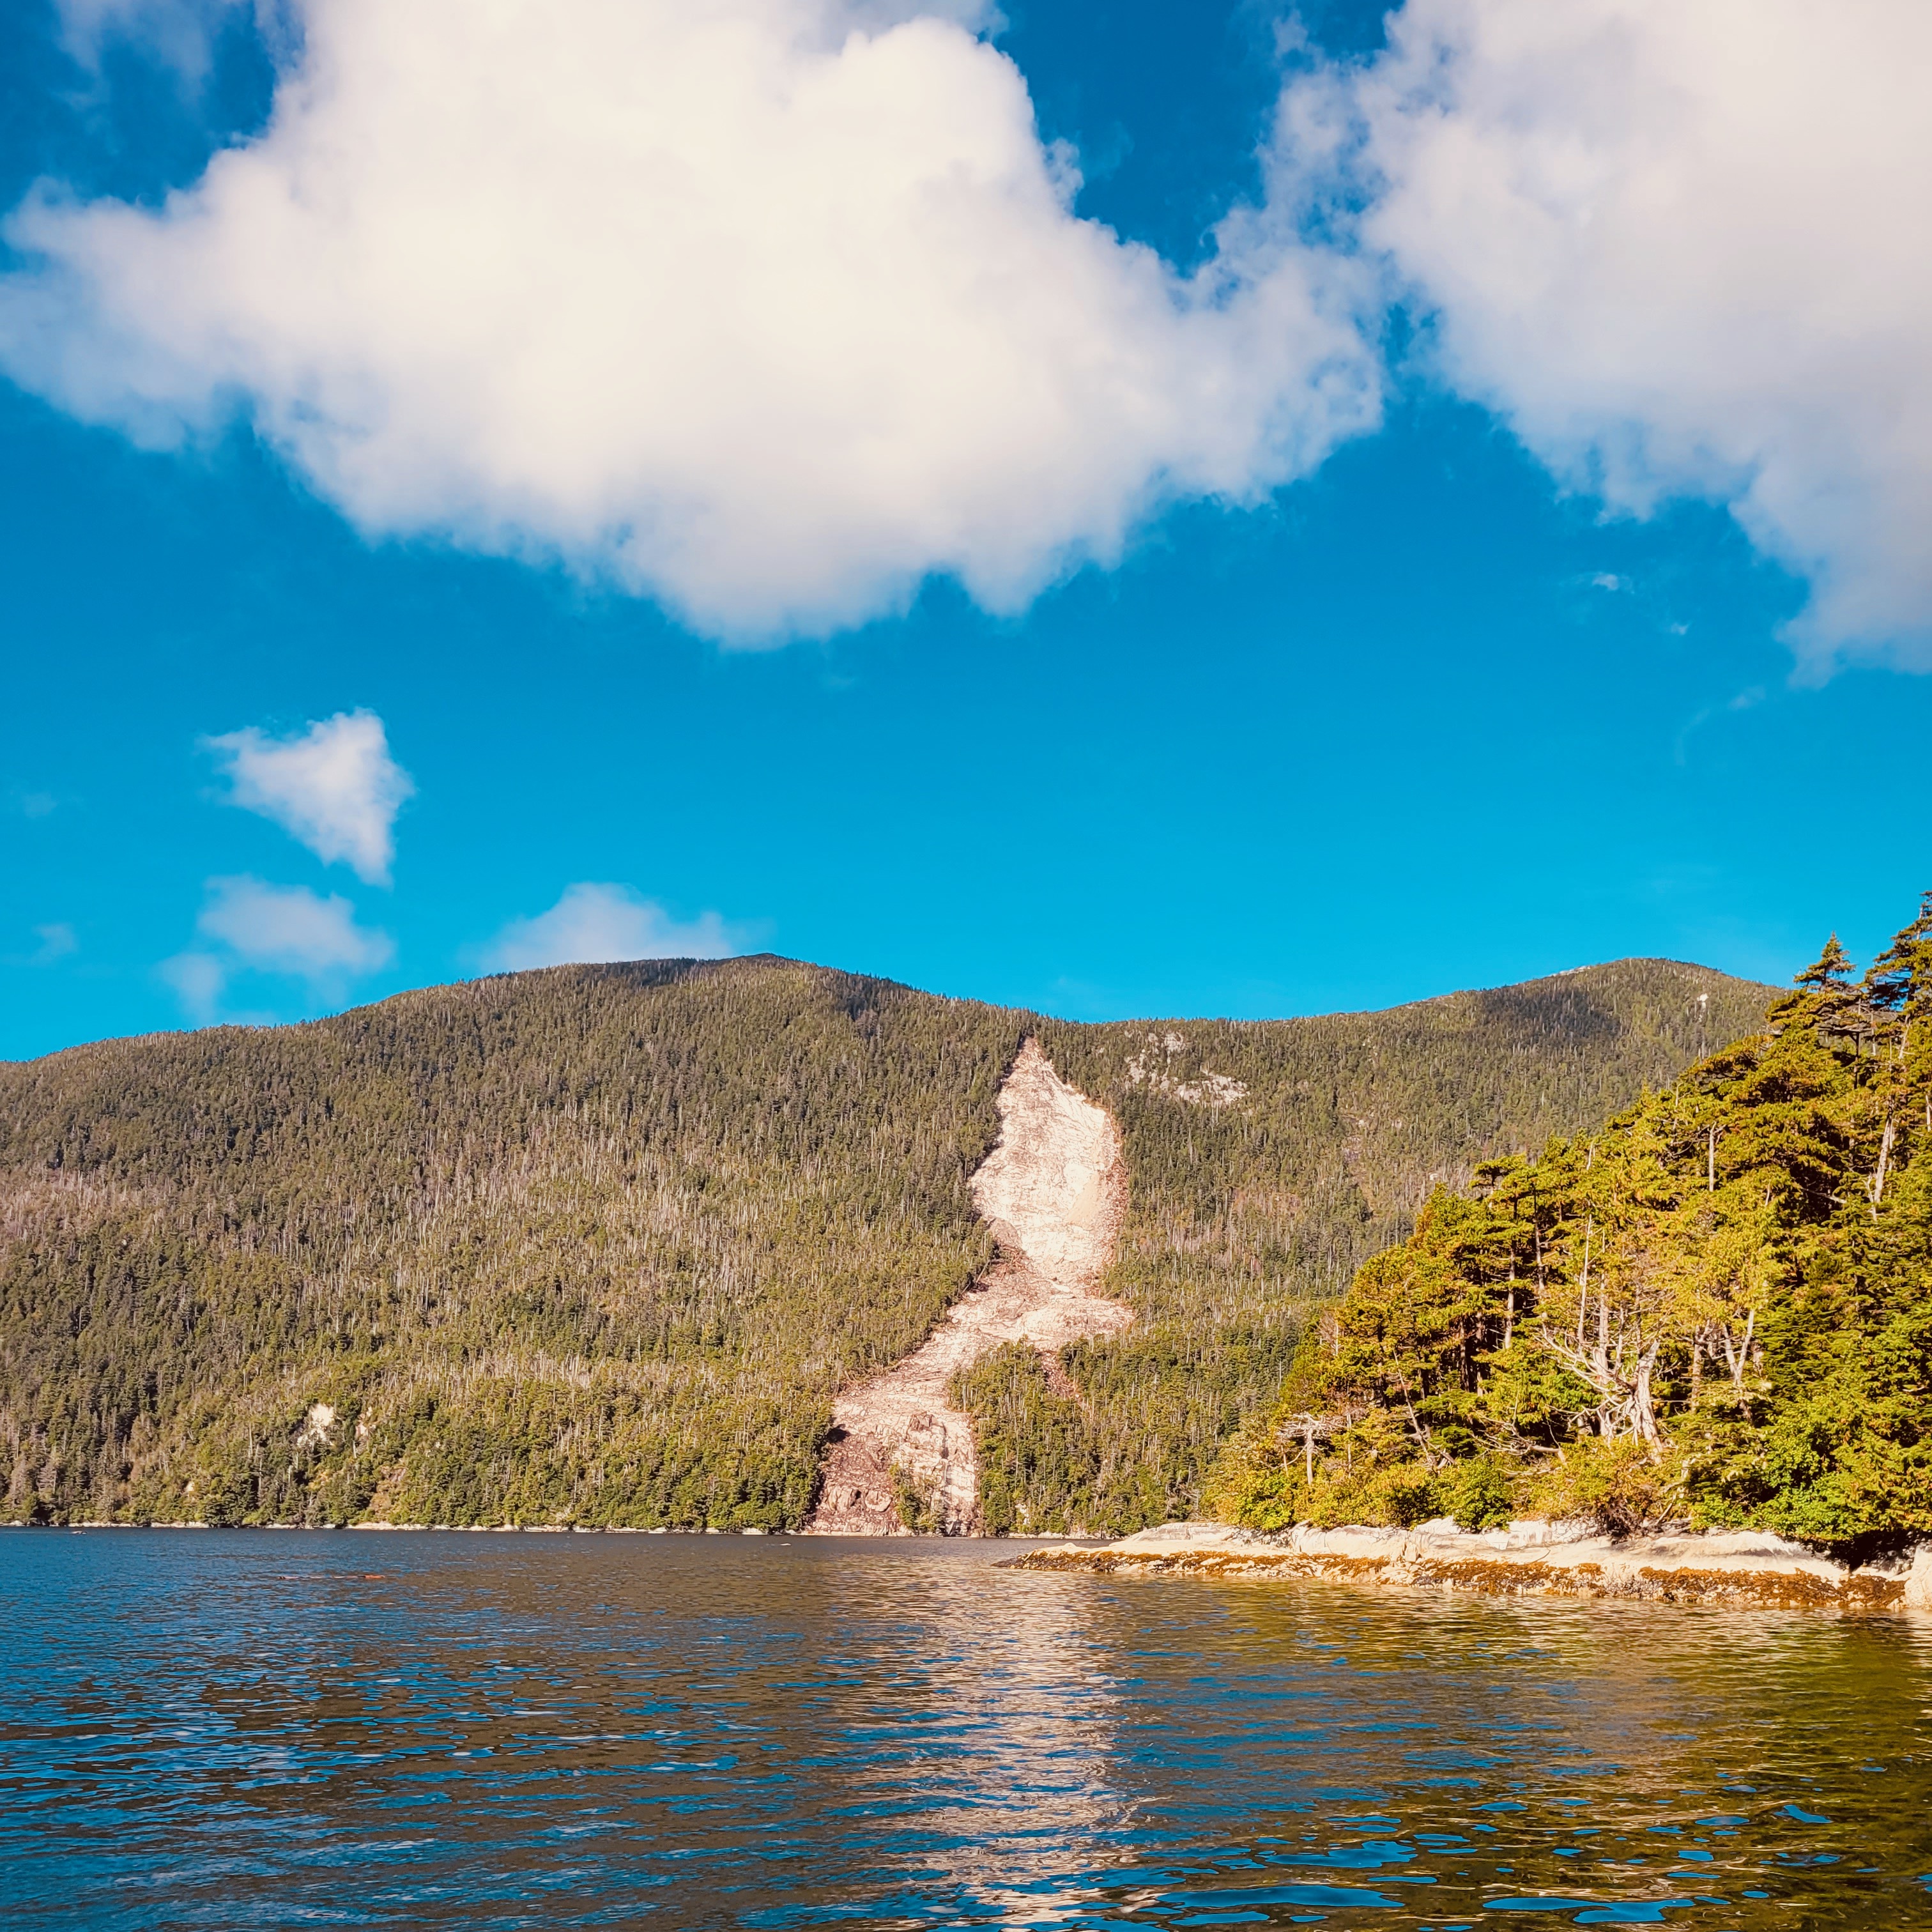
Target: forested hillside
1717, 1306
597, 1244
1268, 1160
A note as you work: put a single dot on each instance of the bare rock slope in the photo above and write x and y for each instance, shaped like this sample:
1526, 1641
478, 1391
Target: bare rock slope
1054, 1191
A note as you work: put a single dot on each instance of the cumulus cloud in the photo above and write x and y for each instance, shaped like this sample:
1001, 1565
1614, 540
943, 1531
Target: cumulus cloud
287, 930
770, 308
334, 787
1681, 249
593, 923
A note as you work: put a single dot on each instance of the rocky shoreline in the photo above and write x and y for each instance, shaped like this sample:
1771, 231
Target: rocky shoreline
1744, 1569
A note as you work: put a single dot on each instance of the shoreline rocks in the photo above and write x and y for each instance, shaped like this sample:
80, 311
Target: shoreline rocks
1745, 1569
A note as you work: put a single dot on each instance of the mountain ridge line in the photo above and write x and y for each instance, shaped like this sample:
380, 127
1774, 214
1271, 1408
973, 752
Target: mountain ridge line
603, 1244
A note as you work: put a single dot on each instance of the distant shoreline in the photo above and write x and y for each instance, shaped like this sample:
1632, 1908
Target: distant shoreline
437, 1528
903, 1541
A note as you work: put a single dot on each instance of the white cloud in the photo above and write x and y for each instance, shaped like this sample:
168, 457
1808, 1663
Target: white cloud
199, 980
771, 307
288, 930
593, 923
58, 941
334, 787
1682, 249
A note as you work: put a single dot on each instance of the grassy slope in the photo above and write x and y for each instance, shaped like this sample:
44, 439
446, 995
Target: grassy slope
598, 1244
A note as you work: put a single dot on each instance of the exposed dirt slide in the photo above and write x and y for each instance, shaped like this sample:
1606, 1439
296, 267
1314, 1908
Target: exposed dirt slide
1054, 1192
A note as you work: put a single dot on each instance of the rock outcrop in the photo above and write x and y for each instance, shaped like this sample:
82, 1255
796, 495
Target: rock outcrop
1053, 1191
1745, 1568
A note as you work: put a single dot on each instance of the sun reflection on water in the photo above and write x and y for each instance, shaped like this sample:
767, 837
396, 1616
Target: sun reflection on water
229, 1728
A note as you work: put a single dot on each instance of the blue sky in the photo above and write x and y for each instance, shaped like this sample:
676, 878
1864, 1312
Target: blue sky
1434, 694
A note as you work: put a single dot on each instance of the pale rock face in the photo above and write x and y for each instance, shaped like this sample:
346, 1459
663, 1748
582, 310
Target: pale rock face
1152, 1067
1918, 1580
1054, 1192
316, 1425
1043, 1188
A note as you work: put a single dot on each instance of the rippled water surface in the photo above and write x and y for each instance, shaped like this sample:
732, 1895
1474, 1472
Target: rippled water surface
262, 1729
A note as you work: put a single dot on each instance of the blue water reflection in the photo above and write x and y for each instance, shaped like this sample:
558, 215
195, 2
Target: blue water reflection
284, 1728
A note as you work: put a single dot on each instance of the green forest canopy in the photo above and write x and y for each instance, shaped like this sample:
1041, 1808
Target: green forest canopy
599, 1244
1716, 1308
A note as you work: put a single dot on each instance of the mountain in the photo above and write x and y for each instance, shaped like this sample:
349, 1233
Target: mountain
600, 1244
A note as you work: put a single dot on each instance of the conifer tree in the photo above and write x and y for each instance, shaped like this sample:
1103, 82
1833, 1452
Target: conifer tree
1718, 1308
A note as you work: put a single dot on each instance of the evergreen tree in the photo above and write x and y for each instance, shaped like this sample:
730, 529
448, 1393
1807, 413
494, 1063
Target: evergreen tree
1718, 1308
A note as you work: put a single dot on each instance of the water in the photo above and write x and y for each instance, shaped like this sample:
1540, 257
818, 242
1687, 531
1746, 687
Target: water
315, 1730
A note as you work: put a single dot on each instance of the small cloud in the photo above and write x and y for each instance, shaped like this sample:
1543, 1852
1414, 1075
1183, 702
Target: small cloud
287, 930
290, 929
57, 942
334, 787
1747, 700
37, 804
199, 979
591, 924
1605, 579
